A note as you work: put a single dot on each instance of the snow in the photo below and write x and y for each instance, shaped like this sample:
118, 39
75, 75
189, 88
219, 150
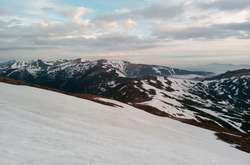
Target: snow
119, 73
169, 100
222, 117
112, 84
169, 104
20, 64
39, 127
157, 70
119, 66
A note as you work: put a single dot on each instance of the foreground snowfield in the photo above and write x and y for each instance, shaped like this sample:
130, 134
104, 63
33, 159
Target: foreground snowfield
39, 127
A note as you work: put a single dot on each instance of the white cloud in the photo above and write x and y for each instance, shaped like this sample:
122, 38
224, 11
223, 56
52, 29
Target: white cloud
129, 23
112, 25
77, 13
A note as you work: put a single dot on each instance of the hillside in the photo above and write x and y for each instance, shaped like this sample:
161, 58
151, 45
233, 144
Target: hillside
43, 127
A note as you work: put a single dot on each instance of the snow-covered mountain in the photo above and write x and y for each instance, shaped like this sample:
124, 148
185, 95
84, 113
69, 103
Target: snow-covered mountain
72, 68
223, 102
40, 127
219, 102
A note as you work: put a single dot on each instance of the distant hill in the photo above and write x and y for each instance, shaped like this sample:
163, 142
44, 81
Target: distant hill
217, 67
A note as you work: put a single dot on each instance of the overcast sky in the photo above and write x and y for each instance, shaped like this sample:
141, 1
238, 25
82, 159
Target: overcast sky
171, 32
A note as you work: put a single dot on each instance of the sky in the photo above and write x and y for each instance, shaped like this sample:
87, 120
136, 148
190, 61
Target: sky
169, 32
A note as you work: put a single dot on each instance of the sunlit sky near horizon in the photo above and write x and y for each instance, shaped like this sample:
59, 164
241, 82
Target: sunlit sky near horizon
169, 32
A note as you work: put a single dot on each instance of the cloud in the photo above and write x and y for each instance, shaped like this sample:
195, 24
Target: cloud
129, 23
70, 13
227, 4
157, 25
158, 11
153, 11
49, 34
77, 13
114, 31
215, 31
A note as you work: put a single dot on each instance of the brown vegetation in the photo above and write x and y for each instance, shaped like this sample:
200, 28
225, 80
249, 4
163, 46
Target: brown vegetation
12, 81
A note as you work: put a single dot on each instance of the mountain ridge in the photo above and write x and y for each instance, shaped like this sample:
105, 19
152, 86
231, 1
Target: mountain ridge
127, 68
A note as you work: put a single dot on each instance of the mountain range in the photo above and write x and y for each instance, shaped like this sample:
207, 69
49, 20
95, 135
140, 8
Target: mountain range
217, 102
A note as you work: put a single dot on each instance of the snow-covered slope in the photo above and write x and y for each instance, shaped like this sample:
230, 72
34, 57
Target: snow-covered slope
39, 127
